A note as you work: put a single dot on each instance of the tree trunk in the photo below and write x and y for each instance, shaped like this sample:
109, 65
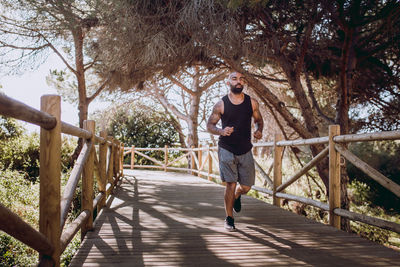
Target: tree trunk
83, 107
348, 64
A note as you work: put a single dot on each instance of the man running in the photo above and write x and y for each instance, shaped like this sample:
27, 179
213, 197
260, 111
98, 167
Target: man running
236, 161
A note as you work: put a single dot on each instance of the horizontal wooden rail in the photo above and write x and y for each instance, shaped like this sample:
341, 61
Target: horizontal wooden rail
12, 108
384, 224
300, 199
100, 140
264, 144
75, 131
13, 225
147, 166
304, 142
389, 135
298, 142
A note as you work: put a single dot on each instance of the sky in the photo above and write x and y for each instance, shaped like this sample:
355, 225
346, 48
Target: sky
31, 85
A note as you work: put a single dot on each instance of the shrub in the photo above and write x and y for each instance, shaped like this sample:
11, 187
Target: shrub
384, 157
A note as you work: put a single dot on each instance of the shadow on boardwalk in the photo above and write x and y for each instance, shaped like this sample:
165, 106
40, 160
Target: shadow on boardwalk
171, 219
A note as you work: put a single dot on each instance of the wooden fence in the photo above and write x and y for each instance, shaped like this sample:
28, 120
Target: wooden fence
103, 162
206, 157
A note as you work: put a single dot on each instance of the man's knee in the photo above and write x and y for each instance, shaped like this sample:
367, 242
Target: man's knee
230, 186
244, 189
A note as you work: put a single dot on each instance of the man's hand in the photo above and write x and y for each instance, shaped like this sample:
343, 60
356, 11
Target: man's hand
257, 134
227, 131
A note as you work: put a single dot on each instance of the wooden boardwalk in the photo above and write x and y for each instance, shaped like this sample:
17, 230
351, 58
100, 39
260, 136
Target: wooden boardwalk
171, 219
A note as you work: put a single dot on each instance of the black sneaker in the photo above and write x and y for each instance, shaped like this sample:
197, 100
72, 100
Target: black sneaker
230, 224
237, 205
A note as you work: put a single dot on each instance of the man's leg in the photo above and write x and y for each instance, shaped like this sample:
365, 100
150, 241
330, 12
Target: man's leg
246, 171
229, 198
241, 190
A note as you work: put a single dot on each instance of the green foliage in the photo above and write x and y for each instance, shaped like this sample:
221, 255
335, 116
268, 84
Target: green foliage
15, 253
143, 126
21, 196
360, 203
70, 251
22, 154
9, 129
384, 157
20, 151
19, 190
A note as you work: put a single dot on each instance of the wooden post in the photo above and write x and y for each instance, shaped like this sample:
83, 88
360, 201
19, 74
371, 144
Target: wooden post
116, 161
192, 162
50, 177
110, 170
210, 163
200, 159
87, 182
334, 177
102, 169
278, 151
132, 157
165, 157
121, 162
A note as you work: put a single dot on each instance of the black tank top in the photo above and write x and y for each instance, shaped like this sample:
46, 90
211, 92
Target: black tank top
239, 117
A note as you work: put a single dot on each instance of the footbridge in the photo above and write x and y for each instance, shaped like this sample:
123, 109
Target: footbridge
170, 212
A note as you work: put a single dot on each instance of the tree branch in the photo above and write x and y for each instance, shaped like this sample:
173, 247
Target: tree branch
89, 65
178, 83
3, 44
58, 53
98, 91
219, 77
165, 103
314, 100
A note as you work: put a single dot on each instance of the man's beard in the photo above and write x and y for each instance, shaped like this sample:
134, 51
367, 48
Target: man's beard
236, 90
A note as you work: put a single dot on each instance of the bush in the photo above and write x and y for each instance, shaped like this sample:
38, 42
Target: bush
141, 126
21, 196
384, 157
19, 190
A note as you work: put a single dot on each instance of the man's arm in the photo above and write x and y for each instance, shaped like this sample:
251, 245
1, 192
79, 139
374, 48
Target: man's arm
258, 120
214, 119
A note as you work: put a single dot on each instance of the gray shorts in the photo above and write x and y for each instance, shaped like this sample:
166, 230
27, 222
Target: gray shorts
236, 168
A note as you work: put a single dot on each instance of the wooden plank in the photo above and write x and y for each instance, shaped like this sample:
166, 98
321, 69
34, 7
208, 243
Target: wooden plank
176, 219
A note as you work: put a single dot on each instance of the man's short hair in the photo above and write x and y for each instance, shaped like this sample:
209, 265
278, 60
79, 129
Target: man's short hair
233, 72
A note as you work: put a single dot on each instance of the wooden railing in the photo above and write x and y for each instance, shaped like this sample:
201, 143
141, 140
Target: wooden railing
206, 157
104, 164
